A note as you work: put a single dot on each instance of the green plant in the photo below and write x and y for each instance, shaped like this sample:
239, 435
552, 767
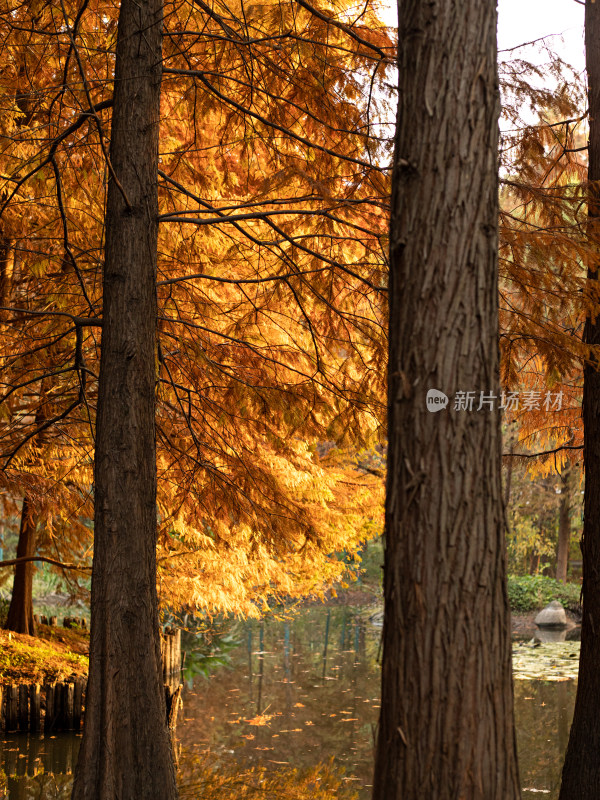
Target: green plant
530, 592
4, 604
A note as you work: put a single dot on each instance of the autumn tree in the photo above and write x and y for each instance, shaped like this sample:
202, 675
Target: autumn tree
446, 723
274, 303
268, 337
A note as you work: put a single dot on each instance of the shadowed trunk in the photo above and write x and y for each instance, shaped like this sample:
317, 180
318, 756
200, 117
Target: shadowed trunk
581, 771
446, 722
20, 612
126, 750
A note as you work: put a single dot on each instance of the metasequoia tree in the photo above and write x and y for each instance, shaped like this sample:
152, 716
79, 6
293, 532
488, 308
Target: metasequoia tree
543, 294
581, 772
270, 323
248, 379
446, 722
126, 750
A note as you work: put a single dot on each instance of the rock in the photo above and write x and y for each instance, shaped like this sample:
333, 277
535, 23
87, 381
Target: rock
553, 616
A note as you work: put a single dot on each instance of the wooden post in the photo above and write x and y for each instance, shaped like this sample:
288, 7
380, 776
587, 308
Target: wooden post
68, 703
44, 620
177, 652
173, 700
12, 699
53, 621
77, 703
35, 710
59, 706
23, 707
49, 719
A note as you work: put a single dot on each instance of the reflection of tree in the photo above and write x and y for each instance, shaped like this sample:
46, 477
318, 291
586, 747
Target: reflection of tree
261, 665
301, 716
200, 777
543, 713
326, 643
565, 713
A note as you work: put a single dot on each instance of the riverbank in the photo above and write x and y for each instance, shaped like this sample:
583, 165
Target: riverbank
59, 654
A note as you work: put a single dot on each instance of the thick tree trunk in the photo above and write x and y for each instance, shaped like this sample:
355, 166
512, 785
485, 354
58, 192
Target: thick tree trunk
564, 526
581, 771
446, 721
20, 612
126, 751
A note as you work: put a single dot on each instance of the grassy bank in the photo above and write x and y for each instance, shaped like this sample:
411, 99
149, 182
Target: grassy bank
55, 654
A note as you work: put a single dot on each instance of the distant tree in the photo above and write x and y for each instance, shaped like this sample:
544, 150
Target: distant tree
446, 721
20, 611
567, 483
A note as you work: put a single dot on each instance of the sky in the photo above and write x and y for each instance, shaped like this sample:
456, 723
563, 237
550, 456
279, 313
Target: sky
521, 21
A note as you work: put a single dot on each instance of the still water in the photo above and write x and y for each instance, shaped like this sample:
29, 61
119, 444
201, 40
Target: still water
287, 708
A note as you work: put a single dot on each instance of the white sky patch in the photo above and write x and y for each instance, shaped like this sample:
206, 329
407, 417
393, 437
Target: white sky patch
521, 21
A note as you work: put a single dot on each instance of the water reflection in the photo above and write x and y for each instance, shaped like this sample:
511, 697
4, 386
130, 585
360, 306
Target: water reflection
545, 635
37, 767
543, 711
293, 716
300, 690
201, 778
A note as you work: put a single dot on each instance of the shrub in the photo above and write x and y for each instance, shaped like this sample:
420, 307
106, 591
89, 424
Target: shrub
4, 605
530, 592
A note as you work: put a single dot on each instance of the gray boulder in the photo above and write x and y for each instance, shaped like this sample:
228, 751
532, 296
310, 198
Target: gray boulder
553, 616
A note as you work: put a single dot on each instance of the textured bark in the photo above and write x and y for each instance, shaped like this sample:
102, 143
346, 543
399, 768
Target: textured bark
581, 771
446, 721
126, 751
20, 612
564, 526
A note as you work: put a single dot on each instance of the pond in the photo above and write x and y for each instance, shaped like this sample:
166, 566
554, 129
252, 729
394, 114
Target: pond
289, 707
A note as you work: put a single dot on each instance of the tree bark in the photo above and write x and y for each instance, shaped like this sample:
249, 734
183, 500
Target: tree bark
564, 526
446, 722
581, 770
126, 750
20, 612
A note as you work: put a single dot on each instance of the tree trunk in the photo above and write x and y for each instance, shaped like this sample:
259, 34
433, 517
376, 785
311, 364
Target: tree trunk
126, 750
446, 722
20, 612
581, 771
564, 526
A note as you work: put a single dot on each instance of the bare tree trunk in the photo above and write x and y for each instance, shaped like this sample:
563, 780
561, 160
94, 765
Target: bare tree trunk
581, 771
126, 751
20, 612
5, 275
564, 526
446, 722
